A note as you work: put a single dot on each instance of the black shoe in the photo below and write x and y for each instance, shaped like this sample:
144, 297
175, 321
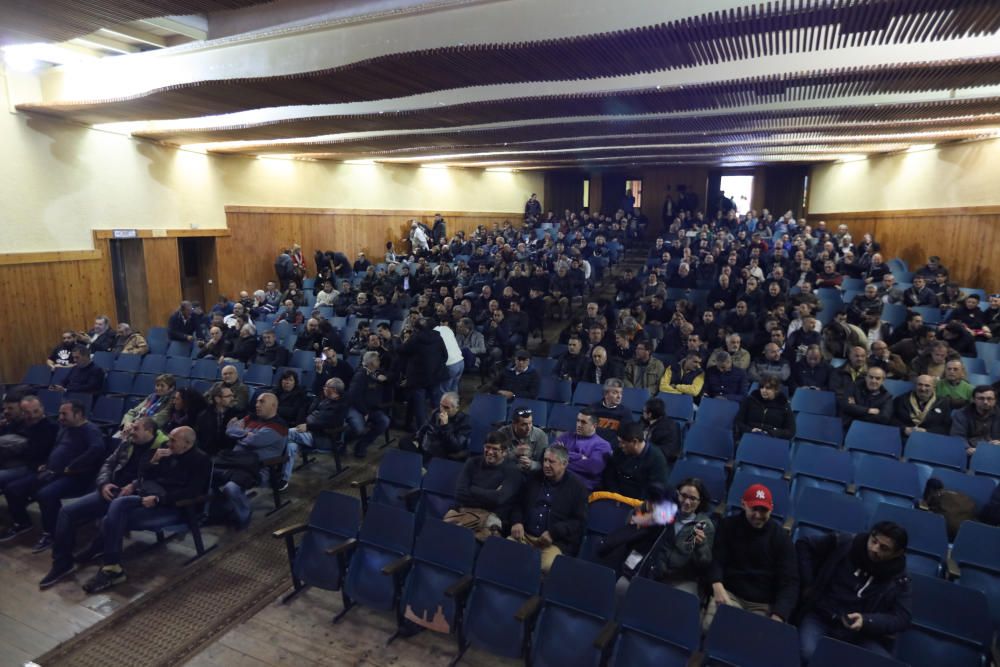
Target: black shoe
95, 550
103, 580
14, 531
283, 486
55, 575
44, 543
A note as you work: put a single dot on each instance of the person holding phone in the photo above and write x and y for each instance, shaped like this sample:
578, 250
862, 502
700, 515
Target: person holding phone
855, 588
681, 558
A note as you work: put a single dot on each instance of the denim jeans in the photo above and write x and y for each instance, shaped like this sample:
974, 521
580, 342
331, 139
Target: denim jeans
48, 495
122, 511
10, 474
377, 422
82, 510
813, 628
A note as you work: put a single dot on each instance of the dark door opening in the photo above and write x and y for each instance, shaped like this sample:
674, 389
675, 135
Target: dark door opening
198, 269
128, 273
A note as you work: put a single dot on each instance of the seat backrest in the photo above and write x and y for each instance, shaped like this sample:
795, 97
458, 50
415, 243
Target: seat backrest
823, 463
832, 653
587, 393
986, 461
738, 637
388, 528
510, 565
204, 369
898, 387
118, 383
446, 546
944, 450
488, 409
954, 613
710, 440
634, 398
648, 602
815, 401
581, 586
129, 363
762, 451
977, 487
153, 364
144, 385
260, 375
714, 477
977, 544
563, 417
679, 406
557, 390
717, 411
820, 510
402, 468
336, 513
819, 429
926, 532
178, 366
882, 474
874, 438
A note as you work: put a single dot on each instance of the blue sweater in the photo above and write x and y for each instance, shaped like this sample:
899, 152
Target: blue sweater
79, 448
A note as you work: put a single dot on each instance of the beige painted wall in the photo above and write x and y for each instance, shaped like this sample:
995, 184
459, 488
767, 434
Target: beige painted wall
59, 181
952, 175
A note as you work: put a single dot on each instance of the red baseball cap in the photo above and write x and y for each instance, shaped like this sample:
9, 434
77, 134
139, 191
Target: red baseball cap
758, 495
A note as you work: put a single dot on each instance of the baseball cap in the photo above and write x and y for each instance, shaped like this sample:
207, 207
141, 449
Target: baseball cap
758, 495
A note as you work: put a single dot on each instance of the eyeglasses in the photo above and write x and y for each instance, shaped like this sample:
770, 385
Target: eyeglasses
687, 496
522, 412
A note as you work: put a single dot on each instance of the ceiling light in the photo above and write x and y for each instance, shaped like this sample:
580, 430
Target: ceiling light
433, 166
851, 157
916, 148
359, 161
503, 170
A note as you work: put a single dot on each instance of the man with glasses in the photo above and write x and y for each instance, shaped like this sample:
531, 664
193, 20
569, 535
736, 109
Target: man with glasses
867, 400
486, 489
979, 422
753, 561
211, 423
551, 512
528, 442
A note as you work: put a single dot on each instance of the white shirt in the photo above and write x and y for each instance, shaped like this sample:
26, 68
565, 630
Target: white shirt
450, 344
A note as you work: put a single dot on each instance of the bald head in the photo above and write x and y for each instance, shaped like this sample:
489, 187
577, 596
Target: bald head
923, 386
267, 405
181, 439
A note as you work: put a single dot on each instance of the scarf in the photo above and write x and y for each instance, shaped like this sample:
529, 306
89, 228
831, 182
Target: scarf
153, 406
918, 414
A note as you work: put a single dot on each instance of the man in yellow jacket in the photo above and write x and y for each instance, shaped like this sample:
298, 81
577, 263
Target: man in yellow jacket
685, 377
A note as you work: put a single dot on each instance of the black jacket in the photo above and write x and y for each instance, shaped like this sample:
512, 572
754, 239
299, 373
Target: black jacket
636, 476
883, 589
179, 329
293, 406
492, 488
424, 356
523, 385
774, 417
567, 513
938, 419
326, 414
275, 356
181, 477
211, 430
367, 394
666, 435
804, 375
445, 441
756, 565
87, 379
863, 401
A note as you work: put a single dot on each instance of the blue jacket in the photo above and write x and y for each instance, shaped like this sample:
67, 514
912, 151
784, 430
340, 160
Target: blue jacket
731, 385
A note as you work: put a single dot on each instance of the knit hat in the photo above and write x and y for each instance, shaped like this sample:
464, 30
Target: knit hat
758, 495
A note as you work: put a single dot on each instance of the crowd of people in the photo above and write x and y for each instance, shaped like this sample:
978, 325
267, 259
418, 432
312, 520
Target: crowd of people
726, 309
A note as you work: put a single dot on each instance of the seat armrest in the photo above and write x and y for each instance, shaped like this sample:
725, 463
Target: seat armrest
343, 548
460, 588
605, 636
363, 482
290, 530
397, 565
406, 496
528, 609
190, 502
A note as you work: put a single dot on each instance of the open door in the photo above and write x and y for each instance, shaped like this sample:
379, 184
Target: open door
198, 270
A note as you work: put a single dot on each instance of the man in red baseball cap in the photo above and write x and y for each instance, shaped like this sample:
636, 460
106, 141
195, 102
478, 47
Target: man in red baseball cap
753, 561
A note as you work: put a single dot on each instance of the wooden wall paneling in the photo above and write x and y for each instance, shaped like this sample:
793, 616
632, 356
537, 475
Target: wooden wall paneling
43, 298
163, 279
966, 239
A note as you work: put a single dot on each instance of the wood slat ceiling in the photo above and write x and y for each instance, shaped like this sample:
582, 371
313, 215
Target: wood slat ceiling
22, 21
772, 28
826, 85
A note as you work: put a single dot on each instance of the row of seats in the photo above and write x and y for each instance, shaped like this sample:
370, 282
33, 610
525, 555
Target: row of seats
492, 598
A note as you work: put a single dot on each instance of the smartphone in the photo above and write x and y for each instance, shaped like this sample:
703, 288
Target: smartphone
323, 356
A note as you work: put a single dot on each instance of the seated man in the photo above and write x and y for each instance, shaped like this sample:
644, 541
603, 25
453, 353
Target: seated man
62, 354
855, 588
867, 400
518, 380
129, 341
231, 380
85, 377
978, 422
636, 469
723, 379
551, 512
921, 409
446, 433
369, 396
684, 377
893, 364
600, 367
180, 471
327, 412
210, 425
119, 470
644, 370
753, 561
954, 387
270, 351
527, 441
36, 437
841, 379
812, 371
330, 365
262, 437
486, 490
610, 412
772, 364
571, 364
588, 452
67, 472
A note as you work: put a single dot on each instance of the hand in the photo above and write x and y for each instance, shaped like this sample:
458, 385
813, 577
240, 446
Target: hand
302, 428
545, 539
775, 617
160, 454
699, 536
873, 411
150, 501
57, 387
127, 490
108, 492
381, 378
517, 531
854, 621
850, 400
506, 394
190, 338
319, 364
969, 451
232, 421
524, 462
720, 595
443, 418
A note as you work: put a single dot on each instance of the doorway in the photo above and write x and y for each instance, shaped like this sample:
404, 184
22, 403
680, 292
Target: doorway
198, 270
128, 275
738, 189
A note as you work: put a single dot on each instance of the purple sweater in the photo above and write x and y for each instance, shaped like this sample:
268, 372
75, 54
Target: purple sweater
587, 457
